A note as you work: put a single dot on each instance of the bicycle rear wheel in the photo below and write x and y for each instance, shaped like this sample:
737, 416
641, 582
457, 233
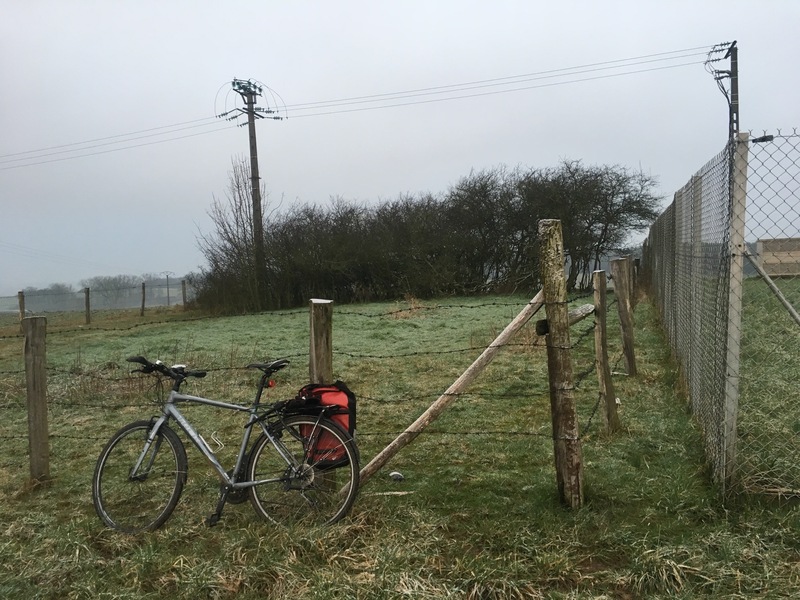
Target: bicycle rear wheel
143, 500
321, 483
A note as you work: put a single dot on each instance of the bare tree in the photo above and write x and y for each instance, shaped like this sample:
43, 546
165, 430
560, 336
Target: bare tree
229, 279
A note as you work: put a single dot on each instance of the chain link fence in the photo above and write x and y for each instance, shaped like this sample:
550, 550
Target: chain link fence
724, 267
769, 406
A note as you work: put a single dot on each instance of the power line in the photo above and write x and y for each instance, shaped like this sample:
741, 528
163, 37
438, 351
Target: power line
129, 139
492, 93
182, 137
508, 80
110, 137
356, 104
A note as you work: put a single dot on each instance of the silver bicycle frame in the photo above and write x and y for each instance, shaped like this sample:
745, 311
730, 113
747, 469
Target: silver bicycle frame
171, 411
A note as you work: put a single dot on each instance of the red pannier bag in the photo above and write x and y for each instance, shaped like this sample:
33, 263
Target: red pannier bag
341, 409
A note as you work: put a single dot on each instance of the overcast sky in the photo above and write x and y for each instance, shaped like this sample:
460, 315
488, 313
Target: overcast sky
382, 98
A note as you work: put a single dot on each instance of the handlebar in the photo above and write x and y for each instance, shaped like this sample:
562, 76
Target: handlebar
180, 372
175, 372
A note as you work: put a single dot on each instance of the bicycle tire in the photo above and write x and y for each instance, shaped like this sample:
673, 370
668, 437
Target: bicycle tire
310, 493
144, 503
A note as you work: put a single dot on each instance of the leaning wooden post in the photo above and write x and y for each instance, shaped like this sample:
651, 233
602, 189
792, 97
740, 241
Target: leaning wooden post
608, 396
566, 441
88, 305
141, 313
35, 329
619, 272
450, 394
320, 359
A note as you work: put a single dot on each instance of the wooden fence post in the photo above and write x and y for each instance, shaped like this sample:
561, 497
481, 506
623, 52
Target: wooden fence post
607, 394
620, 274
21, 301
88, 306
183, 293
566, 441
35, 329
320, 359
631, 282
141, 313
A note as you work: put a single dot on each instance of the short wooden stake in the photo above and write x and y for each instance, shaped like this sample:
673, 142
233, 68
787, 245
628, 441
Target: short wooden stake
320, 359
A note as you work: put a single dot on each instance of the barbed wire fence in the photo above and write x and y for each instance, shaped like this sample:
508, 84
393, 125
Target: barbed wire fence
87, 402
723, 262
64, 305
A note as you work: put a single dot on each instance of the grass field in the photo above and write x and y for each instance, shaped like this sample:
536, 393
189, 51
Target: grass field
769, 405
477, 515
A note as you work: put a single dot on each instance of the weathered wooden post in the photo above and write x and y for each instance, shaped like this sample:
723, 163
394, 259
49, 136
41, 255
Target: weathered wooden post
87, 305
566, 441
320, 359
35, 329
620, 273
21, 302
451, 394
183, 293
141, 312
631, 282
607, 394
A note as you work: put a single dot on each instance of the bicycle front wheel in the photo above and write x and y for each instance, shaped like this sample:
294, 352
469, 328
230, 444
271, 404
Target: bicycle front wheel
135, 488
315, 483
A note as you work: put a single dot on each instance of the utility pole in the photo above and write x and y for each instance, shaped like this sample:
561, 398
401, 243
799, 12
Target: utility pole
250, 91
733, 54
167, 273
732, 97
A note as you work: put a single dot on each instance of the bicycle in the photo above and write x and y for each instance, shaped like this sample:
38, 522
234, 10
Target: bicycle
286, 473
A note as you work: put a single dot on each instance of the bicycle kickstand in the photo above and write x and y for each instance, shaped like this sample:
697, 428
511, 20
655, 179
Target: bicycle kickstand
214, 518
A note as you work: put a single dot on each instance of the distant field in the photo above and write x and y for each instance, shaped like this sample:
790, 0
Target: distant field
479, 517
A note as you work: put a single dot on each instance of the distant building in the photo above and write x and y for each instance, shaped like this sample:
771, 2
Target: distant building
779, 257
